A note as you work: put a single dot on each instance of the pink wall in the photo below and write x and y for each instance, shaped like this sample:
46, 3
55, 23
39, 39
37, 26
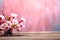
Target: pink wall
40, 14
1, 1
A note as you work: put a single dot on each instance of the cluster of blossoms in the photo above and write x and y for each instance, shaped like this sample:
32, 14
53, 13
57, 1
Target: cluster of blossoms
12, 23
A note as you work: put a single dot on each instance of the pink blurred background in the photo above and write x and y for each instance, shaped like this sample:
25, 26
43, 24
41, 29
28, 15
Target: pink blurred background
41, 15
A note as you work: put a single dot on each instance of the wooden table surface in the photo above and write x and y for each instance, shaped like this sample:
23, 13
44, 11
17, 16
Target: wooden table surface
33, 36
